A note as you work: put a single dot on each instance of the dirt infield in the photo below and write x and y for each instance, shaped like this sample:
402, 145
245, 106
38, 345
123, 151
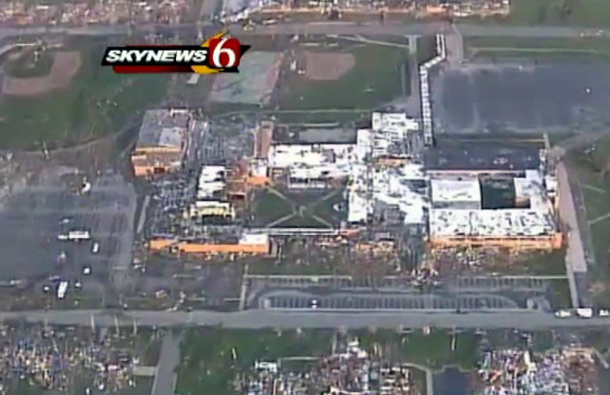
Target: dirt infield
65, 65
325, 66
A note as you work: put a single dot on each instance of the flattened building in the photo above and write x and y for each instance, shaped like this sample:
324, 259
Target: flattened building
162, 142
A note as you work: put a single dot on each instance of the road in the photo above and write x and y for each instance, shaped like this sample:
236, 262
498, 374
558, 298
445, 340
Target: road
165, 379
259, 319
344, 28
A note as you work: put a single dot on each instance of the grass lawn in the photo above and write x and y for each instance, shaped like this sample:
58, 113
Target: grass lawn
299, 118
530, 47
285, 267
536, 263
560, 12
326, 208
302, 221
311, 207
544, 263
96, 103
560, 294
269, 207
375, 79
426, 48
596, 192
433, 350
211, 358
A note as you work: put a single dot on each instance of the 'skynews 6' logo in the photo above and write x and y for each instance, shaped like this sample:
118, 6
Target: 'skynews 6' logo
219, 54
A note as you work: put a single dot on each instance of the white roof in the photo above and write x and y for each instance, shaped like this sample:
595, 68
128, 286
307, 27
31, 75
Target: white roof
390, 186
363, 144
490, 223
258, 168
309, 161
254, 238
212, 204
532, 187
398, 122
448, 190
210, 181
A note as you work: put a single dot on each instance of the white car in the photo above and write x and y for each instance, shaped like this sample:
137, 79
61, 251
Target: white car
314, 304
604, 313
563, 313
96, 248
87, 270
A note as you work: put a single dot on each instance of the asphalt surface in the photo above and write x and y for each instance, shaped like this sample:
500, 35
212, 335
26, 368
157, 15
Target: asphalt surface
33, 218
165, 378
292, 300
388, 28
457, 284
553, 96
259, 319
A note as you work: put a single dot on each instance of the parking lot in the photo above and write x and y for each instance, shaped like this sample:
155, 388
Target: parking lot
33, 219
375, 301
389, 283
521, 97
498, 284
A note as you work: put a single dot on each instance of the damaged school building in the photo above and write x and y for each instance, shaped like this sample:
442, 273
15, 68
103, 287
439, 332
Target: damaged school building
162, 142
491, 196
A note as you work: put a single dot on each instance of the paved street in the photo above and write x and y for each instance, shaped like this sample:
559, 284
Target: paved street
165, 379
257, 319
329, 28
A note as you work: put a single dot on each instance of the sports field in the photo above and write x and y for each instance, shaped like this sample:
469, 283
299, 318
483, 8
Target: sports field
349, 76
60, 110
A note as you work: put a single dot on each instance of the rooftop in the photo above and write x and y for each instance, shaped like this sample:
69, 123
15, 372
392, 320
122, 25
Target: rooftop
314, 161
393, 122
483, 158
163, 128
490, 223
464, 190
211, 181
391, 186
315, 135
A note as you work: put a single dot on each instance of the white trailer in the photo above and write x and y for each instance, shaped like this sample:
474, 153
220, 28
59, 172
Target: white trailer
61, 289
79, 235
584, 312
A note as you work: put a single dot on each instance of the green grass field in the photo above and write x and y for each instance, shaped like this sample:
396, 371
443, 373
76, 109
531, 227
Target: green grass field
313, 208
433, 350
212, 358
537, 48
596, 191
96, 103
269, 207
560, 12
374, 80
